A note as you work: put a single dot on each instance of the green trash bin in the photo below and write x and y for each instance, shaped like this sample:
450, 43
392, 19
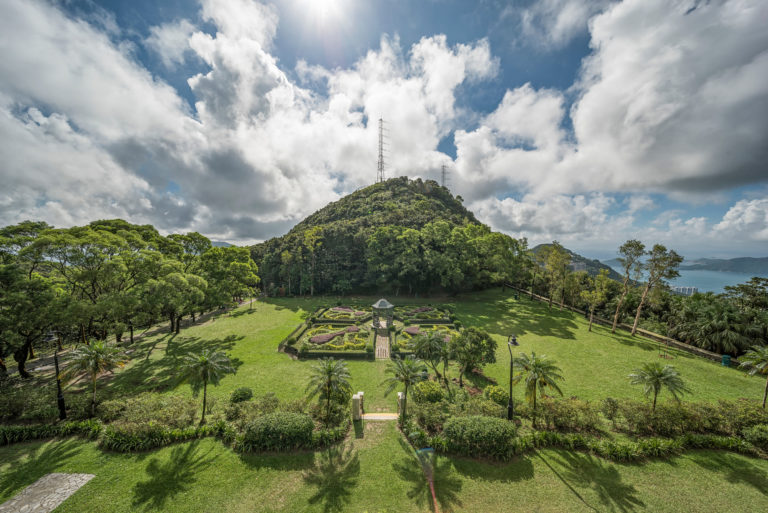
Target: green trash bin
726, 360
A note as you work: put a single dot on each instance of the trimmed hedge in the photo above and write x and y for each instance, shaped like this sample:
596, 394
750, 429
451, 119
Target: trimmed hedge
133, 438
427, 392
477, 435
279, 431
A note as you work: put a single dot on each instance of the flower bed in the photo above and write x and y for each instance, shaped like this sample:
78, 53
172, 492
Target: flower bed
421, 313
343, 313
447, 331
325, 337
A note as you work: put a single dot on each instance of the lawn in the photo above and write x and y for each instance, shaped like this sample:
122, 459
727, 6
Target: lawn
595, 365
379, 473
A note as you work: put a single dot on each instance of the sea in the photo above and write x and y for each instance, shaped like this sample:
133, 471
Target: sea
706, 281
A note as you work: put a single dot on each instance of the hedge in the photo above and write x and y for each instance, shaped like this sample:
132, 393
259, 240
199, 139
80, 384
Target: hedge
477, 435
15, 434
279, 431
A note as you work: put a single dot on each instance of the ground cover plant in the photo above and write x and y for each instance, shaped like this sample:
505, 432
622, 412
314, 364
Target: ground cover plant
250, 338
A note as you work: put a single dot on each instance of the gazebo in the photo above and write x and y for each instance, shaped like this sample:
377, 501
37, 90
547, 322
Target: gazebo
383, 313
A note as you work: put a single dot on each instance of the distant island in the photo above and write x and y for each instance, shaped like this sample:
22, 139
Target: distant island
746, 265
220, 244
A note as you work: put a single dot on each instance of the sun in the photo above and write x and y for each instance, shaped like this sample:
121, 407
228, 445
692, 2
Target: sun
324, 10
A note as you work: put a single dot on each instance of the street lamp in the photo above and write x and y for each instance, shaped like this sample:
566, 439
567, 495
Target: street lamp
511, 342
56, 336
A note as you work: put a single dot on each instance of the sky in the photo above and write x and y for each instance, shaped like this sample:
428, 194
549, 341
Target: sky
589, 122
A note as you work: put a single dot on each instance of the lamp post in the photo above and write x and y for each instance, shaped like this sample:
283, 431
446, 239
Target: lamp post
511, 342
52, 336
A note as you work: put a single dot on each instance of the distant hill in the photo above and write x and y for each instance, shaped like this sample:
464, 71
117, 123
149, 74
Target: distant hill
749, 265
221, 244
580, 263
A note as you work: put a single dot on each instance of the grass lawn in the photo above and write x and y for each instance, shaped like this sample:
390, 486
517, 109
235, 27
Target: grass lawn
595, 365
379, 473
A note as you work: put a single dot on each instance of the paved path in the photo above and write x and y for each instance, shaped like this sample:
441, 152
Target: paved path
382, 347
45, 494
380, 416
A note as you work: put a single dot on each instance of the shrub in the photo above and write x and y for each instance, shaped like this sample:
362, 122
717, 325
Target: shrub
457, 324
15, 434
569, 415
496, 394
757, 435
610, 408
479, 405
28, 403
329, 436
171, 411
480, 436
241, 394
427, 392
279, 431
290, 341
431, 416
142, 437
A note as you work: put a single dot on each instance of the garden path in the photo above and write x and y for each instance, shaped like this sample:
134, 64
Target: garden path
45, 494
382, 347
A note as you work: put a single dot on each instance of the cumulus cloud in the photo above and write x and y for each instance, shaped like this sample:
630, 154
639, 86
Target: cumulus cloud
170, 41
552, 24
748, 218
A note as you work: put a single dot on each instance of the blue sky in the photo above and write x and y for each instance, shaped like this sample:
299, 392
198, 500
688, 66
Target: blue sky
589, 122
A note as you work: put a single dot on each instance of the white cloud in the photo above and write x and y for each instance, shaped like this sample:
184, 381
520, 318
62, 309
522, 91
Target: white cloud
553, 24
170, 41
747, 218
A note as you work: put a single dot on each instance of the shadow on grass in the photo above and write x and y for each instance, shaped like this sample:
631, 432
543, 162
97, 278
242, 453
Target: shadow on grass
586, 471
359, 428
279, 461
334, 475
447, 485
171, 477
38, 462
734, 468
520, 469
158, 374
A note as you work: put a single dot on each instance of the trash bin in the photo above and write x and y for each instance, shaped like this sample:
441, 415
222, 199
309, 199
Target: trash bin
726, 360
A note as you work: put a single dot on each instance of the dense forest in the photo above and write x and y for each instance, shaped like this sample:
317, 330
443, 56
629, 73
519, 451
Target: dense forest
398, 236
108, 278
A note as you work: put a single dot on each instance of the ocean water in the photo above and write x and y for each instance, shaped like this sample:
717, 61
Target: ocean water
707, 281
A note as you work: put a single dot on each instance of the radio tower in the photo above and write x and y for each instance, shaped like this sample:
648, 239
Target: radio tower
380, 166
445, 175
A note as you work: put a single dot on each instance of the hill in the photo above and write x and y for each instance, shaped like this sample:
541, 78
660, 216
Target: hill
400, 233
580, 263
756, 266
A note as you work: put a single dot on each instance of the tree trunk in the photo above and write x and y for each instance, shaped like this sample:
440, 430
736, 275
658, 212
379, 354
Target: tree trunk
591, 316
640, 309
130, 326
765, 394
193, 317
405, 406
534, 408
3, 368
31, 352
178, 324
205, 399
550, 300
93, 397
118, 337
655, 395
173, 318
21, 359
461, 377
618, 307
82, 334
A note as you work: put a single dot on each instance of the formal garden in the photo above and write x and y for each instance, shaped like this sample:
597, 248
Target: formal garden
215, 417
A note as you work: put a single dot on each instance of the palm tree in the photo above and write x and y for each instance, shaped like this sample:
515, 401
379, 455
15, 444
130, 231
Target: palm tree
540, 373
408, 372
200, 370
654, 377
756, 362
329, 380
94, 360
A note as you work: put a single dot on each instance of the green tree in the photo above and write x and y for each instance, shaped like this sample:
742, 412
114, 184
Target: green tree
597, 294
540, 374
653, 377
313, 240
755, 361
429, 348
631, 252
472, 349
557, 271
93, 360
201, 370
662, 265
329, 380
407, 372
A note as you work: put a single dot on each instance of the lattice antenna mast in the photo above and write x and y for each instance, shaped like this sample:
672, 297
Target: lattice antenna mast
380, 165
445, 175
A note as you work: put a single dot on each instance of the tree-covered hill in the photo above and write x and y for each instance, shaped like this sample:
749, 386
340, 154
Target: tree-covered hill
401, 234
580, 263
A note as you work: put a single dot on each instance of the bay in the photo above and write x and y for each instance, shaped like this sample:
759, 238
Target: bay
707, 281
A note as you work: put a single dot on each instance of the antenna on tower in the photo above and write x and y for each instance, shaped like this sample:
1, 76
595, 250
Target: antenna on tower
445, 175
380, 166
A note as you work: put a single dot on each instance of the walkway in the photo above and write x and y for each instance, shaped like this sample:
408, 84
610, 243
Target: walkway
45, 494
382, 347
380, 416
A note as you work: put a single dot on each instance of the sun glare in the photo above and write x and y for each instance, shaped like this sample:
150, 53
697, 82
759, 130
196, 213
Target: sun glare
324, 11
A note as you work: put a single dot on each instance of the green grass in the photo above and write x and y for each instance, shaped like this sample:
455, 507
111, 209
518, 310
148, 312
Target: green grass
595, 365
379, 473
